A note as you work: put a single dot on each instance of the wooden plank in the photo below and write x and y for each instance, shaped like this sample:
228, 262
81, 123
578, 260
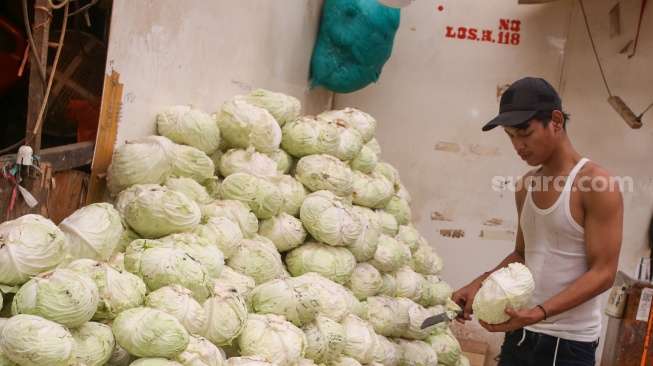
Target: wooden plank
36, 85
69, 156
106, 137
68, 194
38, 184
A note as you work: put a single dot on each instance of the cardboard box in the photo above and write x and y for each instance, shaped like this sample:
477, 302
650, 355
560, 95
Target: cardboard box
475, 351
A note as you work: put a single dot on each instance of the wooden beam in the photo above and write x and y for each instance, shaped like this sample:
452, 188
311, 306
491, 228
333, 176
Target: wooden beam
35, 100
106, 137
69, 156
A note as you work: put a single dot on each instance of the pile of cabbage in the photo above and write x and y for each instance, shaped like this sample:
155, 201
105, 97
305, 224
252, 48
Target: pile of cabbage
251, 236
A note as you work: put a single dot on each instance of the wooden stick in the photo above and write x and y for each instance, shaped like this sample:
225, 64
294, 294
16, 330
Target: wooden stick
106, 137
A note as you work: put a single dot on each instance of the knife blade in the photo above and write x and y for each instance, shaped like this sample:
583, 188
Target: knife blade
435, 319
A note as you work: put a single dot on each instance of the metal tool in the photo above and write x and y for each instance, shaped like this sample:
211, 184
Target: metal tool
435, 319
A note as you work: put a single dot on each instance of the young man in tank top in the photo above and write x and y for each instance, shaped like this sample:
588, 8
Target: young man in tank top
570, 213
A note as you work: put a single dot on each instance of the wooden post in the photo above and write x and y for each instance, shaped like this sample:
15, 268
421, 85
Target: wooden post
36, 85
106, 137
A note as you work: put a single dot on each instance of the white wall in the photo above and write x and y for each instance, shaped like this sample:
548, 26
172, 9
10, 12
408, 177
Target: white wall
206, 52
436, 92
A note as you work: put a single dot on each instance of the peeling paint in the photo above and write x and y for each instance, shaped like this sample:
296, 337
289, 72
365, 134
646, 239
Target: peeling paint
452, 233
466, 149
493, 222
497, 234
447, 146
436, 216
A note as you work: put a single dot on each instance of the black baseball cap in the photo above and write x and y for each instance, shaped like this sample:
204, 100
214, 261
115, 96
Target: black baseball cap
522, 100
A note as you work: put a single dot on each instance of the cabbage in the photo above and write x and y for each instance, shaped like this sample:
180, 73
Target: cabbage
390, 254
285, 231
293, 192
146, 332
401, 307
118, 290
199, 248
402, 192
426, 261
29, 245
178, 301
389, 353
247, 161
388, 171
192, 163
343, 360
400, 209
440, 290
408, 235
510, 286
274, 338
330, 220
416, 314
212, 187
189, 125
325, 172
119, 357
234, 210
142, 161
32, 340
364, 161
410, 284
243, 125
334, 263
256, 259
379, 312
295, 300
361, 121
325, 339
190, 188
373, 190
92, 231
284, 108
446, 346
283, 160
260, 195
201, 352
418, 353
248, 361
160, 212
161, 264
154, 361
226, 315
365, 281
351, 141
125, 196
388, 285
95, 343
308, 135
334, 300
362, 342
367, 242
222, 232
243, 284
61, 295
389, 224
374, 145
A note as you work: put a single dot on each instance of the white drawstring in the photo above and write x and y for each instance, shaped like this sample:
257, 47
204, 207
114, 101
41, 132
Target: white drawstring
523, 337
555, 355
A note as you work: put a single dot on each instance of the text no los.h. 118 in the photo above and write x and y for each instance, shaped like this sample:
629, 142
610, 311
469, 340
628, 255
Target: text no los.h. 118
508, 33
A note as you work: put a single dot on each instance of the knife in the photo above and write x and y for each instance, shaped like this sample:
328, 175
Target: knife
435, 319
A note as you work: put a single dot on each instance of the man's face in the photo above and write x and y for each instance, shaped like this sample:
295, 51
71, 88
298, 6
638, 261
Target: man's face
534, 144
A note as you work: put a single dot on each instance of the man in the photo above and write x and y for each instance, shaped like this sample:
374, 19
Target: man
570, 219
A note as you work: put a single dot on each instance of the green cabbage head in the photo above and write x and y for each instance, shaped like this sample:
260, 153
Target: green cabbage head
243, 124
95, 343
274, 338
92, 231
147, 332
284, 108
189, 125
510, 286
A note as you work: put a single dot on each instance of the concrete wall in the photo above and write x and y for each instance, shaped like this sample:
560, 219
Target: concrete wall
439, 87
206, 52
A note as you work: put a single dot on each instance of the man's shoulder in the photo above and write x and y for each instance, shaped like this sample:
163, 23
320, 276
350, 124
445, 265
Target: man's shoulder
594, 179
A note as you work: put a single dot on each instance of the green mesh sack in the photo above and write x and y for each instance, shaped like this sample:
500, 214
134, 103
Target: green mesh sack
354, 42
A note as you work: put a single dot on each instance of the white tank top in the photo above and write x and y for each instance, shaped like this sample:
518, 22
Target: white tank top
555, 255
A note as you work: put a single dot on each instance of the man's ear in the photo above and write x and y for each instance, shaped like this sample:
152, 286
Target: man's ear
558, 120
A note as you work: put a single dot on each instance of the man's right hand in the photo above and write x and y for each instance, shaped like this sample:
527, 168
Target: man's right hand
465, 298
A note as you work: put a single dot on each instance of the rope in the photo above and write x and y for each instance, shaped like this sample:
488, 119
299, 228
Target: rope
594, 47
